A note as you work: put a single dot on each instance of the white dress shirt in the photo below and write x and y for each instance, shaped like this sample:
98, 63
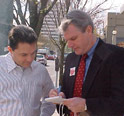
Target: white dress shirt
21, 89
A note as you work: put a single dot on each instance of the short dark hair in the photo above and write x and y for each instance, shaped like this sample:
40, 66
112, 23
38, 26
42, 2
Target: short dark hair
78, 18
21, 34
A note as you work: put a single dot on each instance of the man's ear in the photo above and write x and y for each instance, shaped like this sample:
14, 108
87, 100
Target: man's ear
89, 29
9, 49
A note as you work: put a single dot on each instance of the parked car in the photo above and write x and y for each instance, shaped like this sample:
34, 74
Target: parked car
41, 58
50, 57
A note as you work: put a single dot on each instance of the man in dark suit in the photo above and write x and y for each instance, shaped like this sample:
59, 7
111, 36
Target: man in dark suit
102, 92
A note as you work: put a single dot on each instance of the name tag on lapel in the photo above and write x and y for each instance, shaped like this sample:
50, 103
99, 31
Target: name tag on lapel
72, 71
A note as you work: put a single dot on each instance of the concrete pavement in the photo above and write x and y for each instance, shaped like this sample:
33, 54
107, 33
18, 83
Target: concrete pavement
51, 69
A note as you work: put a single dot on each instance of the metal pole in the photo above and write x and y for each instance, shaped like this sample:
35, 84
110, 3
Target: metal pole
56, 69
6, 18
56, 78
114, 39
114, 33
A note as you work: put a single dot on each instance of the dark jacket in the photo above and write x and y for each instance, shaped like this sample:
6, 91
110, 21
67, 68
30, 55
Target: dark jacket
103, 88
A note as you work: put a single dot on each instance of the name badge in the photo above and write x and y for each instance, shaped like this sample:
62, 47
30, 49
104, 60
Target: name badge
72, 71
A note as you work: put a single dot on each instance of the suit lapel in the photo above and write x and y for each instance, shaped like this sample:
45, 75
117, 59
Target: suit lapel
92, 72
100, 54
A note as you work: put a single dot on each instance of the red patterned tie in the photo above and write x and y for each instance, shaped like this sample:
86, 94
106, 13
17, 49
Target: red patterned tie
79, 79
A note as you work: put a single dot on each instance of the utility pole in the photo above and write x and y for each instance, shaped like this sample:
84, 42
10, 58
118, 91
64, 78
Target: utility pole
6, 18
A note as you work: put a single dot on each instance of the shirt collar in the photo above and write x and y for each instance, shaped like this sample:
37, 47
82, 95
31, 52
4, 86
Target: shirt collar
90, 52
11, 65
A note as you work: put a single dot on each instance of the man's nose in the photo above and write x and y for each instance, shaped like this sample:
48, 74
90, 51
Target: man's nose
29, 58
70, 44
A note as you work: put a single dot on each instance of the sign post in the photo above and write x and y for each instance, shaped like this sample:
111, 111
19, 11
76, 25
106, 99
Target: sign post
56, 69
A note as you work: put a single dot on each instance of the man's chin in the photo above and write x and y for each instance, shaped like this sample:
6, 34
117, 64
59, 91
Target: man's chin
26, 66
78, 53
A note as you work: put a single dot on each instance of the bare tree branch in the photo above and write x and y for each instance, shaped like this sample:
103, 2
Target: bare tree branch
85, 4
97, 6
25, 8
20, 12
67, 2
16, 19
42, 14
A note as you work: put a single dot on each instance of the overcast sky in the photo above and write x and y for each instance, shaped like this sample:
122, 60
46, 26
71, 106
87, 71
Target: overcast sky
117, 5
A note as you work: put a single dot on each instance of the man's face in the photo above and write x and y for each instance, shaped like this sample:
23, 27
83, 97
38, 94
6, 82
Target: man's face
24, 54
78, 41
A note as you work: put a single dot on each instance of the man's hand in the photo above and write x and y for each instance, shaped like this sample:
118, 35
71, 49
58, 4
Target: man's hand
75, 104
54, 92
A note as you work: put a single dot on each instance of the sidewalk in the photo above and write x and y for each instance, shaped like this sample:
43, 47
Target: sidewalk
53, 74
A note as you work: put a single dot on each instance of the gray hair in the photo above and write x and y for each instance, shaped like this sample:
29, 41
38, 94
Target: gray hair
78, 18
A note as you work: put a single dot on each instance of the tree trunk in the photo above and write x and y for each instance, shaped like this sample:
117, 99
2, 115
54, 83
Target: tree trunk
62, 43
33, 13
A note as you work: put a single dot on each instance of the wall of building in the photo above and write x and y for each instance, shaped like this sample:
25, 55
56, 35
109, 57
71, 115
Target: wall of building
115, 22
6, 17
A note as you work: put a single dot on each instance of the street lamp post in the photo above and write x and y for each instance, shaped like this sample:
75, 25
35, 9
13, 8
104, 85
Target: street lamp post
114, 33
